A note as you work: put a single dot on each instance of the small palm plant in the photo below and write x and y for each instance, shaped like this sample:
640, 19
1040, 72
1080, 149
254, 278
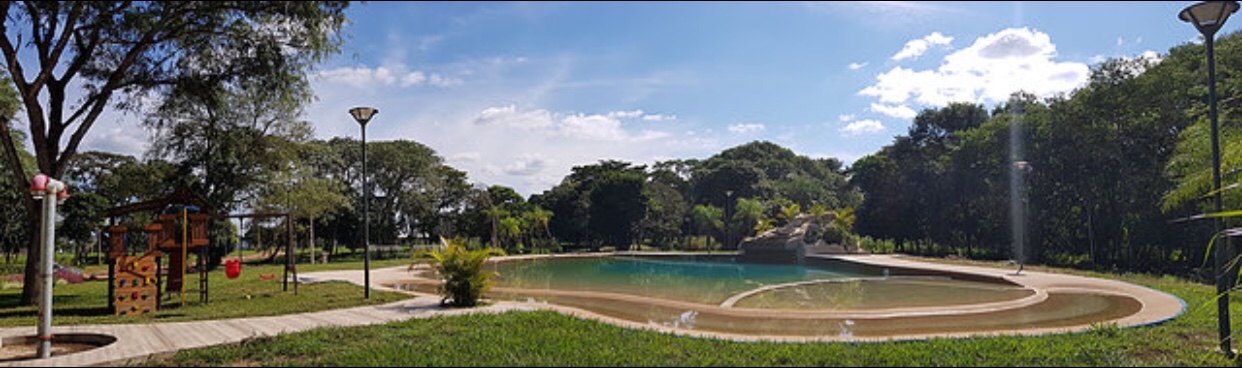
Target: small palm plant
461, 270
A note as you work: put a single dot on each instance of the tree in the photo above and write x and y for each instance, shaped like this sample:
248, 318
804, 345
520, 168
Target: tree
666, 211
411, 185
598, 202
618, 203
536, 222
233, 143
13, 226
748, 214
304, 191
708, 220
118, 53
82, 221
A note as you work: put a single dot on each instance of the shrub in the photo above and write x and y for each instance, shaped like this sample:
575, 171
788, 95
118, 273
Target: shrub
461, 270
833, 234
876, 246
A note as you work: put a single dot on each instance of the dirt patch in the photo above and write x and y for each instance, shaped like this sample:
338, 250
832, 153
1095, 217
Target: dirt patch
27, 347
31, 351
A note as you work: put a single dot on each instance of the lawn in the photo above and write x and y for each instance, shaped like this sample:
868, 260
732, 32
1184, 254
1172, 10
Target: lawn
551, 339
248, 295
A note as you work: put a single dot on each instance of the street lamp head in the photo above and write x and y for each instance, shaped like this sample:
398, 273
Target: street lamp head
1208, 16
363, 114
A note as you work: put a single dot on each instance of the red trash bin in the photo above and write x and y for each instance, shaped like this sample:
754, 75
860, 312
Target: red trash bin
232, 268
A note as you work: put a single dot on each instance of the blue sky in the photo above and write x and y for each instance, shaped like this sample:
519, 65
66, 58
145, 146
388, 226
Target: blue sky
517, 93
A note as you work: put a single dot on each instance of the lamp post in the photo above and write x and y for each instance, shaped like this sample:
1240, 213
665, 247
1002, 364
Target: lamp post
728, 235
1208, 17
363, 115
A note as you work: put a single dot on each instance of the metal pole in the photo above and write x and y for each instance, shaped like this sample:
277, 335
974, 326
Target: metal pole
184, 251
291, 262
48, 238
1222, 250
366, 215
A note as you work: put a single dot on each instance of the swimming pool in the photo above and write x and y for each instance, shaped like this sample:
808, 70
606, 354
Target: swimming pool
824, 298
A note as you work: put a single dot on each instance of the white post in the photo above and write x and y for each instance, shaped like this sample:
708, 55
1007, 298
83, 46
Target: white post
48, 239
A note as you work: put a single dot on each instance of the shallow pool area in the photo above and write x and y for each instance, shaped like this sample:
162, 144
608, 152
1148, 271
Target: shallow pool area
823, 298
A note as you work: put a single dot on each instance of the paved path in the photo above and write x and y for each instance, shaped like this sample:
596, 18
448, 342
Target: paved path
141, 341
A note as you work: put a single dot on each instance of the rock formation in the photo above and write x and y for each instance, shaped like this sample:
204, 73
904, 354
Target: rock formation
791, 243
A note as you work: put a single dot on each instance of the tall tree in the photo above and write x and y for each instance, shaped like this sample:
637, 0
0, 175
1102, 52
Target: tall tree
304, 190
13, 228
70, 60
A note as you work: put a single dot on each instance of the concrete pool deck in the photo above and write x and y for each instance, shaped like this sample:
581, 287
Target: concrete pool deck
142, 341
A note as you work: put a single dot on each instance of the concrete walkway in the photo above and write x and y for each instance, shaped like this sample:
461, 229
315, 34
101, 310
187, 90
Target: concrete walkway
142, 341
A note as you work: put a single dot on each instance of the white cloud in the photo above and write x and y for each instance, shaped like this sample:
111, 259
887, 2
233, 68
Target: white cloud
414, 78
856, 66
639, 115
989, 70
131, 141
659, 117
845, 117
510, 116
625, 114
362, 77
896, 111
916, 48
746, 128
526, 165
862, 127
532, 149
496, 127
438, 80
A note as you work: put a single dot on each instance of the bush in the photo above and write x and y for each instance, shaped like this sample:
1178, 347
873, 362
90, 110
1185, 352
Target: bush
833, 234
876, 246
461, 270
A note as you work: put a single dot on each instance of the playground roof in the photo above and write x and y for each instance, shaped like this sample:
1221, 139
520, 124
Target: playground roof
182, 195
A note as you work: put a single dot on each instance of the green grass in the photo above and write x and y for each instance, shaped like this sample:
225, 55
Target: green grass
245, 296
552, 339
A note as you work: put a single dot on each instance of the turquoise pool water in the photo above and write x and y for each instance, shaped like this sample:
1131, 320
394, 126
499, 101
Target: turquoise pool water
714, 280
819, 298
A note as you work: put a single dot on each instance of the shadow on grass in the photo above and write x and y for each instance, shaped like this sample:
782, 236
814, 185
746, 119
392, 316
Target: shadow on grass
33, 312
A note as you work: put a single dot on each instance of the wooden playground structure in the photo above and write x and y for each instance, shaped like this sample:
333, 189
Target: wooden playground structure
139, 281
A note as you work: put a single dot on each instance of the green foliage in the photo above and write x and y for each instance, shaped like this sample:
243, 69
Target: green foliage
461, 269
1113, 162
747, 214
833, 234
708, 220
178, 51
876, 246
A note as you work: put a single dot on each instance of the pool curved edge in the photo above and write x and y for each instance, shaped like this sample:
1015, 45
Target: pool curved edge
1156, 306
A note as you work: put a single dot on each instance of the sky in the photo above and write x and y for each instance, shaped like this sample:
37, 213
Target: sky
518, 93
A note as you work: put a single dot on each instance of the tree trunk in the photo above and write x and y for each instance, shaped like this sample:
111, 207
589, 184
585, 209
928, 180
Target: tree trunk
30, 290
312, 240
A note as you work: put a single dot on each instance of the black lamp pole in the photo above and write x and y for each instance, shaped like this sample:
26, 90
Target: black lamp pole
363, 115
1208, 17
